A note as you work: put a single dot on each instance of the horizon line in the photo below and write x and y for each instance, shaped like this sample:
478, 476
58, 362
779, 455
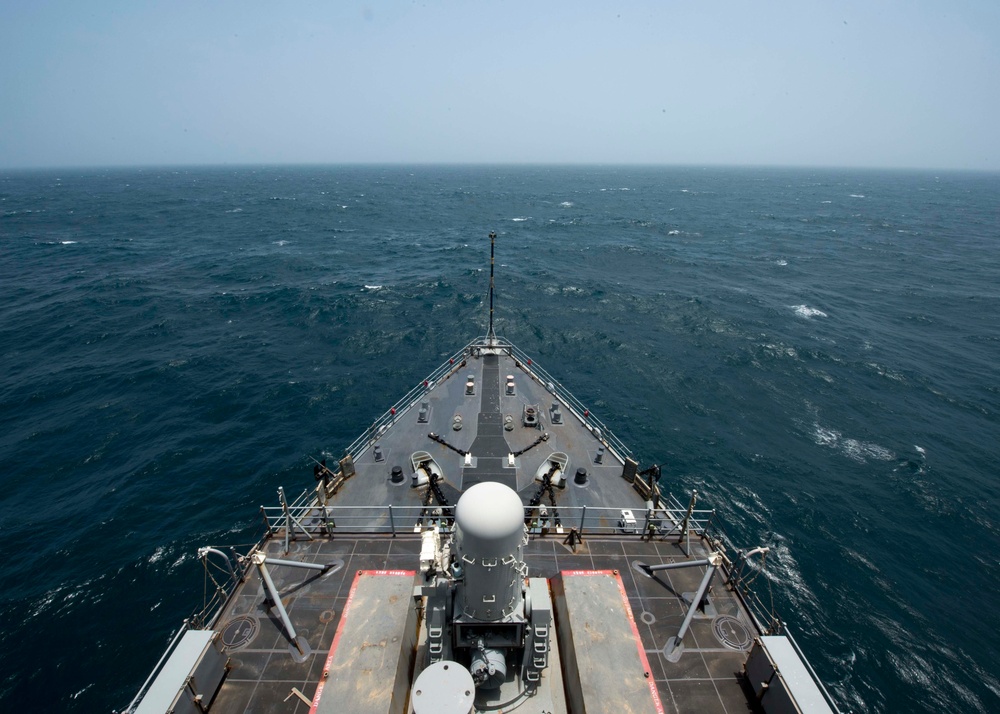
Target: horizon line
485, 164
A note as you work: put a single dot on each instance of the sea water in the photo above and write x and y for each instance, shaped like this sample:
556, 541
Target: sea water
814, 351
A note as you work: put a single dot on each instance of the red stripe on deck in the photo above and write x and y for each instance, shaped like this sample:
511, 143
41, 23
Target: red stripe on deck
340, 628
654, 692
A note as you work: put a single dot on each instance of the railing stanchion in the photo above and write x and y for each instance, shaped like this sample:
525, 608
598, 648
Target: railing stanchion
685, 534
267, 522
290, 520
708, 523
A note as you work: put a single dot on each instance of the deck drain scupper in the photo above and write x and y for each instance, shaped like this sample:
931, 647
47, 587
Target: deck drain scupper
731, 632
240, 631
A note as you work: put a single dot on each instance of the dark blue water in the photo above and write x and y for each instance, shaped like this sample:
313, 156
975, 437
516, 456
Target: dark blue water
815, 351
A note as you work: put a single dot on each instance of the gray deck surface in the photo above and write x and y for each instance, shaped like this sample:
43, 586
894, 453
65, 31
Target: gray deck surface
706, 677
703, 680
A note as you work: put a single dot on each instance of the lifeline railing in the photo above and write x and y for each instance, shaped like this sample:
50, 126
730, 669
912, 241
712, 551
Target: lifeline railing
665, 523
306, 519
672, 521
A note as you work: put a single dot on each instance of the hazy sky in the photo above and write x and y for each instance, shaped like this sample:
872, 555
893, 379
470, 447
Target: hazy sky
886, 83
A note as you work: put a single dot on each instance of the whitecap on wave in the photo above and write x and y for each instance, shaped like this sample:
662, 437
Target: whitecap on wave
781, 262
520, 219
857, 195
884, 371
807, 312
373, 288
77, 694
780, 350
566, 204
673, 233
860, 451
64, 597
67, 242
749, 503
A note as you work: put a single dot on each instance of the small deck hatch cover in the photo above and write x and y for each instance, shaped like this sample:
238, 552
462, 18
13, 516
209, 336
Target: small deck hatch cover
240, 631
731, 632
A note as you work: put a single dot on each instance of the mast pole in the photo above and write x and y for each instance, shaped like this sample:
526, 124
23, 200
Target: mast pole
491, 335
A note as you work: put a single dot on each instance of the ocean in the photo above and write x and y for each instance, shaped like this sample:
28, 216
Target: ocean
814, 351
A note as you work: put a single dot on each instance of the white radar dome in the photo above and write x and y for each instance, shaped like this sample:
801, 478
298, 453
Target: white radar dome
490, 512
489, 532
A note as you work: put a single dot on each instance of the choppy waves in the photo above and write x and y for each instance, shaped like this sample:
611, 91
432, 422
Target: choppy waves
175, 351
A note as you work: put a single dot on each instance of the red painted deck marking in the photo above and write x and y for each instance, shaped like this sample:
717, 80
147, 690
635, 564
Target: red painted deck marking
654, 692
340, 628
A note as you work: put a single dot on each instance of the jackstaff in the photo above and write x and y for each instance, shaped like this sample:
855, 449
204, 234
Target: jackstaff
490, 334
